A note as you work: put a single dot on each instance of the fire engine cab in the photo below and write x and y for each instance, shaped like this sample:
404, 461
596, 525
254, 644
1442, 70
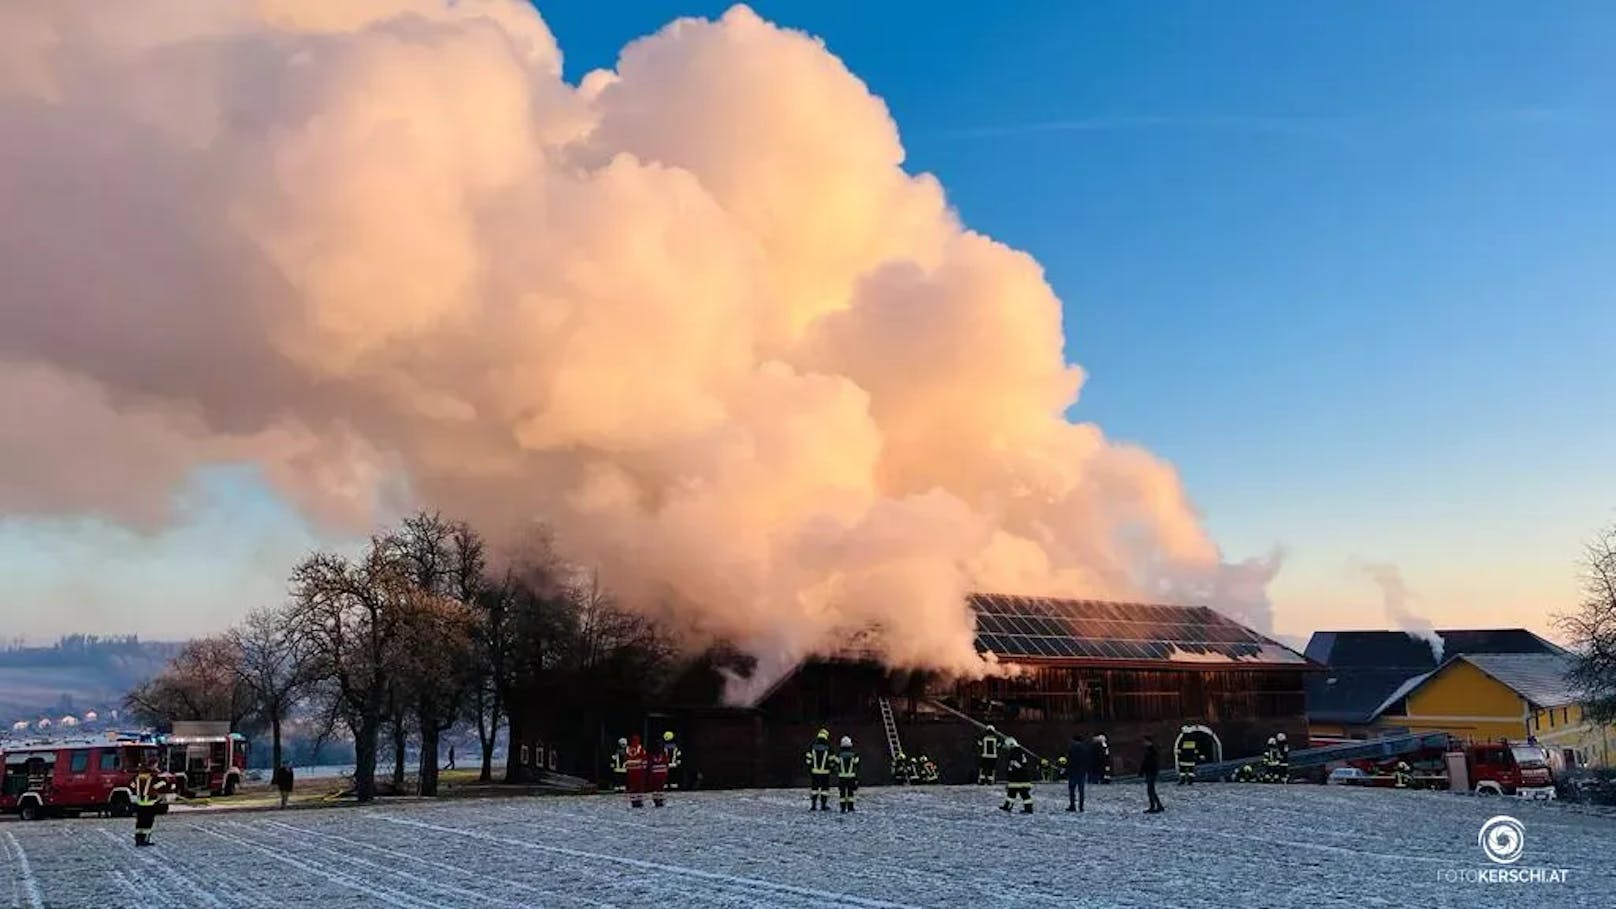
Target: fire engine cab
205, 757
68, 778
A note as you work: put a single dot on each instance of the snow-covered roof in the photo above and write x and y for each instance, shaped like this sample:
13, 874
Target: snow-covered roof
1540, 678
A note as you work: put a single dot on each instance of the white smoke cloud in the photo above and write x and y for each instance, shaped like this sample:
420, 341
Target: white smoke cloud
1394, 597
691, 311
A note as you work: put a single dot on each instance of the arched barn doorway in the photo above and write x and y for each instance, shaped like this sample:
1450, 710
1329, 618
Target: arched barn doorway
1206, 741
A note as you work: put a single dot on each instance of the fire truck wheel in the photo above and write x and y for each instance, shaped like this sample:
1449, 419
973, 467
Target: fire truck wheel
30, 811
120, 805
230, 786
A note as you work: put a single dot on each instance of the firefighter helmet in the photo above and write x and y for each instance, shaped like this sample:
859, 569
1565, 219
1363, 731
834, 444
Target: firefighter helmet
991, 729
1270, 740
1281, 736
1402, 765
622, 743
667, 736
847, 741
1063, 760
824, 734
1011, 742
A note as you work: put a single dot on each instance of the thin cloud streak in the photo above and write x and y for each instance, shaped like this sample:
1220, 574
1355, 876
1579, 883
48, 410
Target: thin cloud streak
1343, 126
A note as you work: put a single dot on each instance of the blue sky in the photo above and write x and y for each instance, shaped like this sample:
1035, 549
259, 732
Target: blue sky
1348, 266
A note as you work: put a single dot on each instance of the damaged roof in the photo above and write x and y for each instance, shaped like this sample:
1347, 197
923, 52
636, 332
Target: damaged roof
1045, 629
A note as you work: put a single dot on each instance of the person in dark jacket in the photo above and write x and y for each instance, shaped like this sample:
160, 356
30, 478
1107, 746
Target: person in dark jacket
283, 782
1018, 769
1077, 771
1149, 766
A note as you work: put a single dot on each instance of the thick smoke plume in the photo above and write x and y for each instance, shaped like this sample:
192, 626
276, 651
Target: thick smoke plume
691, 312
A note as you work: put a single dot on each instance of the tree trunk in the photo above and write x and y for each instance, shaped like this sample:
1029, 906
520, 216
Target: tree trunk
486, 773
429, 756
488, 734
398, 755
365, 758
275, 742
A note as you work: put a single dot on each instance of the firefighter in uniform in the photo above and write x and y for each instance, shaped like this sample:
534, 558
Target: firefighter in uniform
1270, 761
928, 770
634, 771
1018, 770
819, 759
900, 769
1189, 754
1282, 759
675, 759
1402, 778
847, 762
1246, 774
987, 756
148, 791
1100, 762
620, 767
656, 764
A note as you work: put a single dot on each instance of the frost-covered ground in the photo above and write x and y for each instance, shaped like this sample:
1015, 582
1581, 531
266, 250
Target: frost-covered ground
1218, 845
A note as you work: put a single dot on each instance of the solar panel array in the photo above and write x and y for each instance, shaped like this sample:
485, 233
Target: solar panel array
1044, 628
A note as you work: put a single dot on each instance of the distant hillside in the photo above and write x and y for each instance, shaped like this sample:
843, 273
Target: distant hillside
77, 673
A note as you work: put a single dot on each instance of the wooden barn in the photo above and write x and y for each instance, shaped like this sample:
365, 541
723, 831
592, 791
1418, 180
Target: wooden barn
1088, 667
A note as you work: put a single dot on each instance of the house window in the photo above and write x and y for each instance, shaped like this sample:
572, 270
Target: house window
79, 763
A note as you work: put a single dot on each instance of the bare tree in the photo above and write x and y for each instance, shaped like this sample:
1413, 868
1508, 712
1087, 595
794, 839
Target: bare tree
275, 665
349, 613
202, 682
1591, 628
445, 562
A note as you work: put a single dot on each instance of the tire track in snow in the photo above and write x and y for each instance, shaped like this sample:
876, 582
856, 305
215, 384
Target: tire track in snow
24, 886
755, 885
388, 896
960, 817
337, 856
442, 866
527, 822
742, 847
162, 869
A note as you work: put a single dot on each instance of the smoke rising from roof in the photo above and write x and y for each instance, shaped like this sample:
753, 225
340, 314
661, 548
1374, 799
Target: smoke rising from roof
1395, 596
692, 312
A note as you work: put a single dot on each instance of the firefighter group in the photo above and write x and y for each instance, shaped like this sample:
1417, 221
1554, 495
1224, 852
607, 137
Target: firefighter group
638, 771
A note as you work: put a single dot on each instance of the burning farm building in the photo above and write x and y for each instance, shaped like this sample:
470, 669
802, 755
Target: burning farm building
1090, 667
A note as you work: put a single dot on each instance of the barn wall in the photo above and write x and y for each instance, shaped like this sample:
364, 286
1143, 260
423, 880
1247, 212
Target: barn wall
1243, 708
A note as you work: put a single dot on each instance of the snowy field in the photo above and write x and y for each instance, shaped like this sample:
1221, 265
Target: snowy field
1218, 845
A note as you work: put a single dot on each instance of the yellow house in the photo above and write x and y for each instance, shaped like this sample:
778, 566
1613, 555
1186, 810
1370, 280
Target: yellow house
1515, 696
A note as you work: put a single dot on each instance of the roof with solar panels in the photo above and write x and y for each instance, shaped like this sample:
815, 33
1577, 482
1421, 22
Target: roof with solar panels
1022, 629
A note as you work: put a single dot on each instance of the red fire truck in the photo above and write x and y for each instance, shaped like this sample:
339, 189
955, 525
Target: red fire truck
205, 757
1486, 768
68, 778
